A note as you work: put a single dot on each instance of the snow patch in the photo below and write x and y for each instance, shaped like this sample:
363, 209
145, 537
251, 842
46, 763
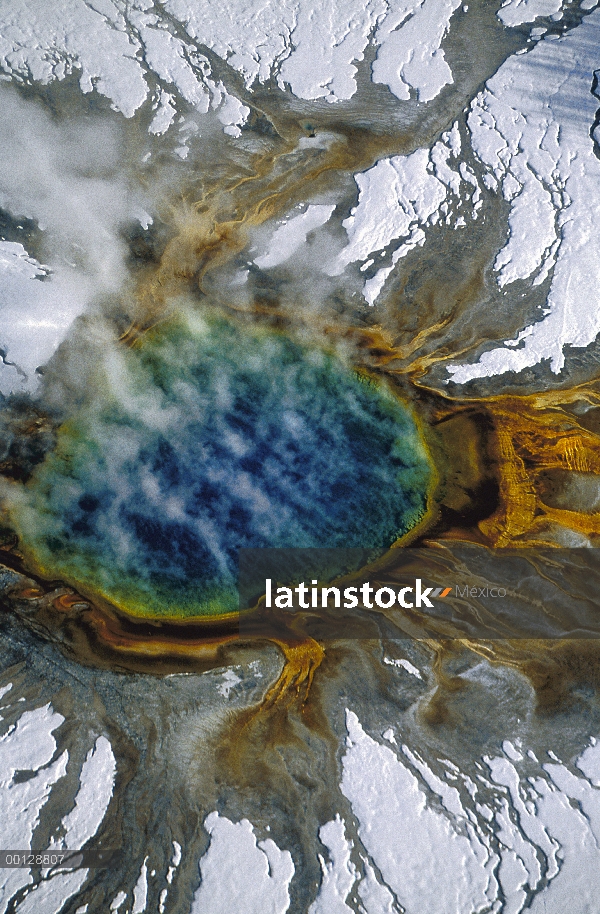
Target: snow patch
405, 664
50, 41
230, 680
339, 875
516, 12
531, 128
398, 199
91, 802
422, 856
256, 883
410, 54
29, 745
328, 37
97, 780
537, 841
140, 890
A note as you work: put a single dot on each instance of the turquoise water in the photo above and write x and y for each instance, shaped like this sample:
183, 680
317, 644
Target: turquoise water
208, 438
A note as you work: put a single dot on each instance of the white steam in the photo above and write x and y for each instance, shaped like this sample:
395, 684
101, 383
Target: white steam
67, 178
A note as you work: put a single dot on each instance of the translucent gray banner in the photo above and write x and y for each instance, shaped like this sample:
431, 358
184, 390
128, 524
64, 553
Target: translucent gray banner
449, 590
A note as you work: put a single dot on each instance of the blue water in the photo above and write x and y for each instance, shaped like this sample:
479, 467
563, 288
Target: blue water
212, 437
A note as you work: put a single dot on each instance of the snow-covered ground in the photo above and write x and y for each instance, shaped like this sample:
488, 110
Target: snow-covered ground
429, 841
530, 140
517, 832
140, 55
398, 199
498, 838
531, 129
526, 137
312, 47
29, 746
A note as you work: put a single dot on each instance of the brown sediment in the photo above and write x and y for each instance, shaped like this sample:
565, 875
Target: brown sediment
30, 593
490, 453
252, 744
212, 225
536, 433
68, 601
531, 435
302, 659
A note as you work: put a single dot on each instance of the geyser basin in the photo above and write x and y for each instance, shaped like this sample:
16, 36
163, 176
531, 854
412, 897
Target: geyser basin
209, 437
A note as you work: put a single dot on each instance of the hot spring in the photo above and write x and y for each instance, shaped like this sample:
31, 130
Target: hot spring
206, 437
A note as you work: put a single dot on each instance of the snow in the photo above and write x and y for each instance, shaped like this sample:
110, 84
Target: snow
167, 56
27, 746
589, 763
516, 12
398, 199
230, 680
422, 857
449, 796
329, 35
315, 44
372, 288
15, 260
538, 844
78, 826
376, 898
115, 50
118, 900
256, 883
251, 37
93, 797
339, 875
165, 114
410, 54
50, 896
140, 891
566, 834
232, 113
49, 41
175, 859
30, 746
531, 128
126, 52
511, 751
440, 154
405, 664
394, 195
312, 47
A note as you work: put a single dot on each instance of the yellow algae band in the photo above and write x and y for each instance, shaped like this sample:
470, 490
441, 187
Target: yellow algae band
207, 438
